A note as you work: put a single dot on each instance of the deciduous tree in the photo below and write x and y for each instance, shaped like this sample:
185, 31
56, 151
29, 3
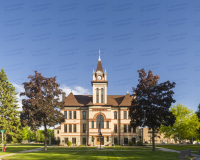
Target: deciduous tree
151, 103
185, 126
42, 106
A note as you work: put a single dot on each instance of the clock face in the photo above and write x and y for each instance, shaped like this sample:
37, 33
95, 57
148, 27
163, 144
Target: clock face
99, 77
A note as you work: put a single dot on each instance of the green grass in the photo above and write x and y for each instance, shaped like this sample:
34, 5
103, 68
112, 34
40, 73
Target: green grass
97, 155
182, 147
19, 147
71, 148
128, 148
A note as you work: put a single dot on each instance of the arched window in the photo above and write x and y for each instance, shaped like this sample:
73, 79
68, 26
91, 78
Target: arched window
100, 121
101, 95
97, 95
115, 115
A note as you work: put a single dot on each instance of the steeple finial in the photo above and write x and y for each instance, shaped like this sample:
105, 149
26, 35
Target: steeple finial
127, 90
99, 55
71, 89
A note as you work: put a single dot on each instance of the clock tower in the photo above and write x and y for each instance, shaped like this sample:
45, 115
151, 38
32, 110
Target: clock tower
99, 84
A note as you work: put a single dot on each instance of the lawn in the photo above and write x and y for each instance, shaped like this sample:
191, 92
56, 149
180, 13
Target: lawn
182, 147
70, 148
129, 148
97, 155
19, 147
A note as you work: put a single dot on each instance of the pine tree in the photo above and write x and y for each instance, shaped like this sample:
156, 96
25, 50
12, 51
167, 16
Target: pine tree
10, 121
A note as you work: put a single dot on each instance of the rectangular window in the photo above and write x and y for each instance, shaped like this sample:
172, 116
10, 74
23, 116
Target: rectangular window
65, 128
74, 127
115, 115
70, 114
84, 114
97, 95
115, 128
92, 124
65, 114
57, 131
125, 140
101, 95
129, 128
70, 127
134, 129
107, 138
107, 124
84, 141
74, 141
84, 128
66, 139
125, 114
129, 117
74, 114
115, 140
125, 128
133, 140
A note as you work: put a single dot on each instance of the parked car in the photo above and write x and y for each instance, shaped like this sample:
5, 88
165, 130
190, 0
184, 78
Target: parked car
146, 142
163, 142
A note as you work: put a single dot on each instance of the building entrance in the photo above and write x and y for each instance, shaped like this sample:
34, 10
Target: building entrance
98, 140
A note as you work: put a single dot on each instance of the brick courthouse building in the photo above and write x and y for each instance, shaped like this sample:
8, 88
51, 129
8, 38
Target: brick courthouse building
85, 114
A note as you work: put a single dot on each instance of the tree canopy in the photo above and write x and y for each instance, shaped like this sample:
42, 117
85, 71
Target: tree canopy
151, 103
10, 121
42, 106
185, 126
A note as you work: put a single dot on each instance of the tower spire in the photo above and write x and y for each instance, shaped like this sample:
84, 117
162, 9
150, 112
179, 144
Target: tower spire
127, 90
99, 55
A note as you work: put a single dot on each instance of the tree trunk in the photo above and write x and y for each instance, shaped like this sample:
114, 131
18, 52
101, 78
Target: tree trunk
154, 149
45, 135
179, 141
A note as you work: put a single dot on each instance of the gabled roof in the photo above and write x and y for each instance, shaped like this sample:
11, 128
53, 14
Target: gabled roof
127, 100
86, 100
71, 100
59, 127
99, 67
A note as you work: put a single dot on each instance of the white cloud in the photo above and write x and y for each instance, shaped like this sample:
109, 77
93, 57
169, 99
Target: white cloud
19, 88
77, 90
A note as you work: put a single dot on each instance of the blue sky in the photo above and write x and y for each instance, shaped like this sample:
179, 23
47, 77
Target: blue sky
62, 38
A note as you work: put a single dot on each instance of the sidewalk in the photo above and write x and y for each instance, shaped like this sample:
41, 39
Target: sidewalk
31, 150
171, 150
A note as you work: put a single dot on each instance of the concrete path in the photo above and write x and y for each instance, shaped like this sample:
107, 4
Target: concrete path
171, 150
31, 150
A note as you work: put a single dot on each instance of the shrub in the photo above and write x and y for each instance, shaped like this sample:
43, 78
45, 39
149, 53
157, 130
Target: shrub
139, 143
130, 143
69, 143
81, 145
118, 145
